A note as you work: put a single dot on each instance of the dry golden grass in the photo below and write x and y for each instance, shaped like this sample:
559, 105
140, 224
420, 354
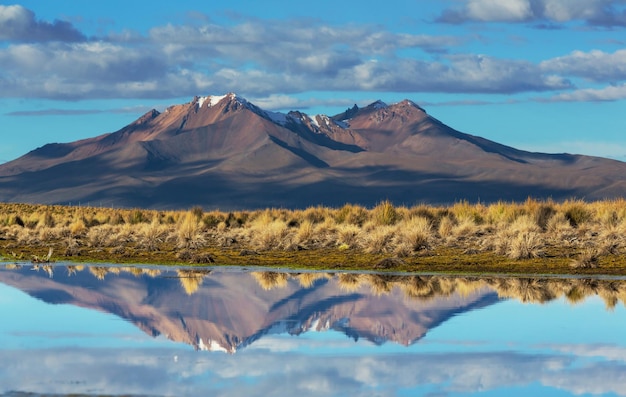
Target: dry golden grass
188, 233
349, 235
151, 236
385, 214
305, 233
378, 239
517, 231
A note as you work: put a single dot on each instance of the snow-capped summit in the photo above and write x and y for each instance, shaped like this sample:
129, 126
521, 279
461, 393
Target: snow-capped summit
213, 100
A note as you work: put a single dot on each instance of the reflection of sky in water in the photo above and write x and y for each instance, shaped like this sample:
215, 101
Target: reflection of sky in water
32, 324
509, 348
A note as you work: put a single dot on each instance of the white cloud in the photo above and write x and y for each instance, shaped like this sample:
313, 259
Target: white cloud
461, 74
609, 93
594, 65
499, 10
19, 24
593, 12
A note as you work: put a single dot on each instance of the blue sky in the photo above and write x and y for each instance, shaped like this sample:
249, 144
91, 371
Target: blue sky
541, 75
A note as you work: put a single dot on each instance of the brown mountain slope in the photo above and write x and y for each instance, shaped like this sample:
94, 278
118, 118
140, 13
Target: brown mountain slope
226, 152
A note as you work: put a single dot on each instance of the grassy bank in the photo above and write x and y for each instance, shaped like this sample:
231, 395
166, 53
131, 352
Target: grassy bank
539, 237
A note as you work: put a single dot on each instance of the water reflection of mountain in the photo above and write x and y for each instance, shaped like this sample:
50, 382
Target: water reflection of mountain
227, 310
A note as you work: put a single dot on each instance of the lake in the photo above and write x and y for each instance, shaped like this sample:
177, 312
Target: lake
163, 331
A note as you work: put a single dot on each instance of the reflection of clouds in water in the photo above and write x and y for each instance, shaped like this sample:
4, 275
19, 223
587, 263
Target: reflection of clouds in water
598, 378
604, 351
281, 344
156, 372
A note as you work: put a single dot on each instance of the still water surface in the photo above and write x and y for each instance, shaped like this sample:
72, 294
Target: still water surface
159, 331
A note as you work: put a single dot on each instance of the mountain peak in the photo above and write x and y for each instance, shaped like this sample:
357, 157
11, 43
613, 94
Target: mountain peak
146, 117
377, 105
408, 103
213, 100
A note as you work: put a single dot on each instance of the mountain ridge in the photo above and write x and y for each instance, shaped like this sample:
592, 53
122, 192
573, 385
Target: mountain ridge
225, 152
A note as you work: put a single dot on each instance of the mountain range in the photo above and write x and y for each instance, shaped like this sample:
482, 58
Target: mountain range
225, 152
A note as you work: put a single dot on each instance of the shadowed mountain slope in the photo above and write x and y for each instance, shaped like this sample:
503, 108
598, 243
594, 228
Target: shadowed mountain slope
225, 152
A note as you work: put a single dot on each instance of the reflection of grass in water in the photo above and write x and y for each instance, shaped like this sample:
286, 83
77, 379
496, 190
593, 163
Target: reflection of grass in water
135, 271
71, 270
379, 284
414, 287
526, 290
114, 270
13, 266
349, 282
308, 279
191, 280
575, 295
271, 280
99, 271
532, 290
139, 271
467, 286
152, 272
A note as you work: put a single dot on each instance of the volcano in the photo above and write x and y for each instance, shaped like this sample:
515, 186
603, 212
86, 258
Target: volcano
225, 152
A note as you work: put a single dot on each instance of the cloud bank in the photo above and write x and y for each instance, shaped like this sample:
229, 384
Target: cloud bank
275, 60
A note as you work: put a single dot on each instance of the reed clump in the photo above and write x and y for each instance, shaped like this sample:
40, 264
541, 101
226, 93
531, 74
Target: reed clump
585, 234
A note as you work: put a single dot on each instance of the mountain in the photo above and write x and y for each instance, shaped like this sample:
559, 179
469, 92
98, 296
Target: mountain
225, 152
230, 310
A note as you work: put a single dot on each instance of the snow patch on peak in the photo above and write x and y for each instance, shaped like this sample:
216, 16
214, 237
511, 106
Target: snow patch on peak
343, 124
327, 121
211, 346
277, 117
213, 100
201, 101
282, 118
314, 120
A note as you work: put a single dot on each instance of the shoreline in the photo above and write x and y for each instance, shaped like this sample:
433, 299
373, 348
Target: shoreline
453, 263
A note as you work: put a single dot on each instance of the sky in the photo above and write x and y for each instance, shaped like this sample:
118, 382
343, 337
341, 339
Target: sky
539, 75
